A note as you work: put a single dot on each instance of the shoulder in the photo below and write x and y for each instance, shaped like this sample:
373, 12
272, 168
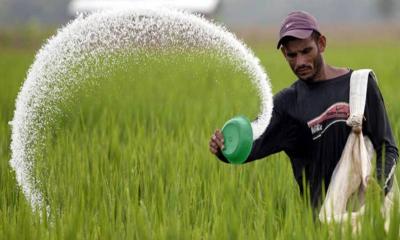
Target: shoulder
286, 94
373, 88
373, 93
372, 80
285, 98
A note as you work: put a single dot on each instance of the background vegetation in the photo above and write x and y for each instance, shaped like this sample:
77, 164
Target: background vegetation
130, 160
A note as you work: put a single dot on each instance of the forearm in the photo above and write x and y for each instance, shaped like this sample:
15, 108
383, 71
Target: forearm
270, 142
386, 165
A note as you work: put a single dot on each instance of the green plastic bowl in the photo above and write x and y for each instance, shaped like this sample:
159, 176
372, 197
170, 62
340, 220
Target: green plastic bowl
238, 139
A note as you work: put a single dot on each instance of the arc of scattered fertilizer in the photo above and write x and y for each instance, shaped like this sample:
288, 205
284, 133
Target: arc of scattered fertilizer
50, 79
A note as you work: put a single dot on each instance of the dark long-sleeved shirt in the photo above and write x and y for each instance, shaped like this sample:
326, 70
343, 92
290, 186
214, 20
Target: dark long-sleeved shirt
309, 124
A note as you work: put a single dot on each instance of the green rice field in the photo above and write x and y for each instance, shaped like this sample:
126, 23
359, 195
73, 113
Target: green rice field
129, 157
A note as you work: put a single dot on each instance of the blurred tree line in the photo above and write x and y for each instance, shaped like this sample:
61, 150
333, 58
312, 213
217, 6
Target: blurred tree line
42, 12
55, 12
387, 7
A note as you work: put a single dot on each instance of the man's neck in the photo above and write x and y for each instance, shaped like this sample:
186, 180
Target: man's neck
329, 72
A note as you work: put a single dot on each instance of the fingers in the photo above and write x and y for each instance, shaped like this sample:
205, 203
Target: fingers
219, 139
214, 149
216, 142
213, 145
218, 133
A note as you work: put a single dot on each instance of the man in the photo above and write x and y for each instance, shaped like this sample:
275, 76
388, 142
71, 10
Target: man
309, 118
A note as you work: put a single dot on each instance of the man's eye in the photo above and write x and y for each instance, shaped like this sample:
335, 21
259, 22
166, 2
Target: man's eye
291, 55
307, 50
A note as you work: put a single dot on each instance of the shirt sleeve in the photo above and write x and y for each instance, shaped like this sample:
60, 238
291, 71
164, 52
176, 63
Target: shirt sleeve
277, 136
377, 128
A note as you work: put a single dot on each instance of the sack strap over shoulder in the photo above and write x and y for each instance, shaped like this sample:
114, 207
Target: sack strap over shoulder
357, 99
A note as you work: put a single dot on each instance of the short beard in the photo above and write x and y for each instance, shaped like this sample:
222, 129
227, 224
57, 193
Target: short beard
318, 62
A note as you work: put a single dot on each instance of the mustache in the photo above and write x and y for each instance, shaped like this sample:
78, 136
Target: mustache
301, 67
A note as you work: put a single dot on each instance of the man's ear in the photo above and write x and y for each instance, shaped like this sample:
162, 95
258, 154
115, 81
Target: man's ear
321, 43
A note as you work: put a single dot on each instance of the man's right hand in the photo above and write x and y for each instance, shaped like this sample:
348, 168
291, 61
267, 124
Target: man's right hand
216, 142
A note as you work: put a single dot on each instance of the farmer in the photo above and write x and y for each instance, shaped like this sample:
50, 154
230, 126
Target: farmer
309, 117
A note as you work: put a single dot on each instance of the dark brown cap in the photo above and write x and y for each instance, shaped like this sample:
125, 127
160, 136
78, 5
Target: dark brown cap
298, 24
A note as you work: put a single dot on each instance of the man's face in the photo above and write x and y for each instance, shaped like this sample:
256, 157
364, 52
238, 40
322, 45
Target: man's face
304, 57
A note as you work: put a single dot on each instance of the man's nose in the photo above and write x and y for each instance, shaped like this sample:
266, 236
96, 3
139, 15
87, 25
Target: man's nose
300, 60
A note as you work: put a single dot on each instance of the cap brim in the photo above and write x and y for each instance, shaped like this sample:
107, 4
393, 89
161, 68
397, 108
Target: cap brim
297, 33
